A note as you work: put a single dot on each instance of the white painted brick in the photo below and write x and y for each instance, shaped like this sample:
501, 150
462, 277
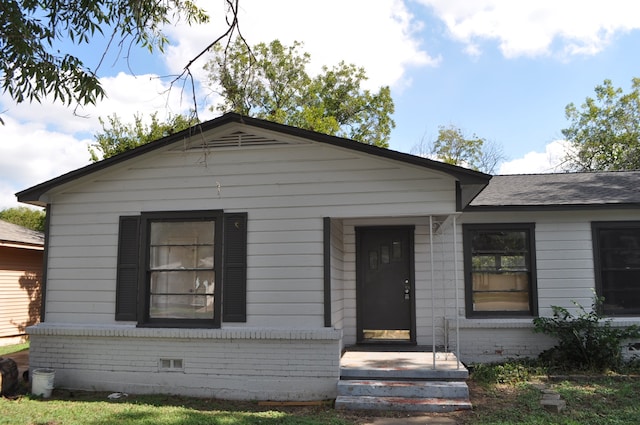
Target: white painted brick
304, 367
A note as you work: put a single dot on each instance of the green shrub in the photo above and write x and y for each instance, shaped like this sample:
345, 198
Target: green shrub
510, 372
586, 341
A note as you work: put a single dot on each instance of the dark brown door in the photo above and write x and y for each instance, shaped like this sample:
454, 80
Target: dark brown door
385, 292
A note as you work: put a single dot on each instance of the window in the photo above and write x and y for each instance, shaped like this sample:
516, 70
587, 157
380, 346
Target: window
175, 267
616, 249
182, 266
499, 270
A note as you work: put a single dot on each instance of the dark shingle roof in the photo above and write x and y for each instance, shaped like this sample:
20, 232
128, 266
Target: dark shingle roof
12, 233
531, 191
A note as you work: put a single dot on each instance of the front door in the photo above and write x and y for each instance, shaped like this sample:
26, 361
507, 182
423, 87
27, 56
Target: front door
385, 290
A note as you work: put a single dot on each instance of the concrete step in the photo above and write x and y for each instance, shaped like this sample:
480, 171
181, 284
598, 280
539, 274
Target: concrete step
411, 404
404, 374
404, 389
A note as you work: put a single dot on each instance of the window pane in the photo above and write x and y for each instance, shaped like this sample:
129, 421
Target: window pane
384, 254
396, 250
501, 301
622, 291
181, 257
500, 270
178, 245
499, 241
182, 295
513, 262
619, 277
181, 274
373, 260
181, 282
182, 233
181, 307
500, 282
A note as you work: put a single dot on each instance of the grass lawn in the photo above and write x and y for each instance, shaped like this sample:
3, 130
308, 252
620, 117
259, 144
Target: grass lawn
8, 349
599, 401
595, 399
96, 409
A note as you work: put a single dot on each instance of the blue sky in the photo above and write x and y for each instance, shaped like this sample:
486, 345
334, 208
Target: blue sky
502, 69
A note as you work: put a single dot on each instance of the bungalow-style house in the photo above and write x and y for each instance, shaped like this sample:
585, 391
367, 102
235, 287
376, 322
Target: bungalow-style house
21, 252
240, 258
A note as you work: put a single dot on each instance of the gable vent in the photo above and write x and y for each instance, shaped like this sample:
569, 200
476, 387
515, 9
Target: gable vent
236, 139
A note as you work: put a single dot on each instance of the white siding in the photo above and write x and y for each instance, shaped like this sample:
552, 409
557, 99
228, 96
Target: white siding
286, 192
565, 274
564, 252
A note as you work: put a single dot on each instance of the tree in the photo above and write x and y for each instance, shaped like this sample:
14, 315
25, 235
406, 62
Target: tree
453, 147
604, 132
270, 81
117, 137
32, 35
25, 217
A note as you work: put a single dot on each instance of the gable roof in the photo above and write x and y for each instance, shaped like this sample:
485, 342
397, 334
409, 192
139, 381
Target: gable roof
471, 181
560, 191
14, 235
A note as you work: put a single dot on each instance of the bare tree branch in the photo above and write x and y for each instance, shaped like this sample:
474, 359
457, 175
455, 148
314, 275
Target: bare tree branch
233, 27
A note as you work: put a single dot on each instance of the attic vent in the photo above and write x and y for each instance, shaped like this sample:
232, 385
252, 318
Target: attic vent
236, 139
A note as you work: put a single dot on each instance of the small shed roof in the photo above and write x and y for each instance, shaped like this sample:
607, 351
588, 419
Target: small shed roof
14, 235
560, 191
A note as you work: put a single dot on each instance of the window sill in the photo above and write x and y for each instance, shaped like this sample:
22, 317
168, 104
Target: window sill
492, 322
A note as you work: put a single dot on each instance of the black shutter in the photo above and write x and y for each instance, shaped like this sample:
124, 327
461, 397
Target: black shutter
234, 277
127, 277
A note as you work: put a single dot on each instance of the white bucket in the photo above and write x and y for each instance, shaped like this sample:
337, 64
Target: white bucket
42, 382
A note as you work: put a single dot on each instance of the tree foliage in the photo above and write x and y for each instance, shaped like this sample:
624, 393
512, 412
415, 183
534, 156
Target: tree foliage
453, 147
604, 131
117, 137
271, 81
25, 217
31, 35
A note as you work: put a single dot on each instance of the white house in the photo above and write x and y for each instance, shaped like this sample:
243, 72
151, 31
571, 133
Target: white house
239, 258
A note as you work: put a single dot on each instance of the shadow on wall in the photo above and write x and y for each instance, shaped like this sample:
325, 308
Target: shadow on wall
31, 284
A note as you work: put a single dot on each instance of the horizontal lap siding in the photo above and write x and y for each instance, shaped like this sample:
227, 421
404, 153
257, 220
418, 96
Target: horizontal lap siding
564, 254
20, 279
437, 299
286, 193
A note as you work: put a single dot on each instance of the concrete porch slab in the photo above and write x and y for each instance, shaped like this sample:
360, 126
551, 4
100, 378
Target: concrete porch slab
401, 364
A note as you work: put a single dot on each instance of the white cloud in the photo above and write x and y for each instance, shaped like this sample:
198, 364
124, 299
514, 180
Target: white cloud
380, 36
30, 154
549, 161
42, 141
540, 27
127, 95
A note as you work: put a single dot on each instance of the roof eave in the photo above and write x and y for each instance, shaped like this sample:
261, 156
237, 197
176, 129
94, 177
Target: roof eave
35, 194
555, 207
